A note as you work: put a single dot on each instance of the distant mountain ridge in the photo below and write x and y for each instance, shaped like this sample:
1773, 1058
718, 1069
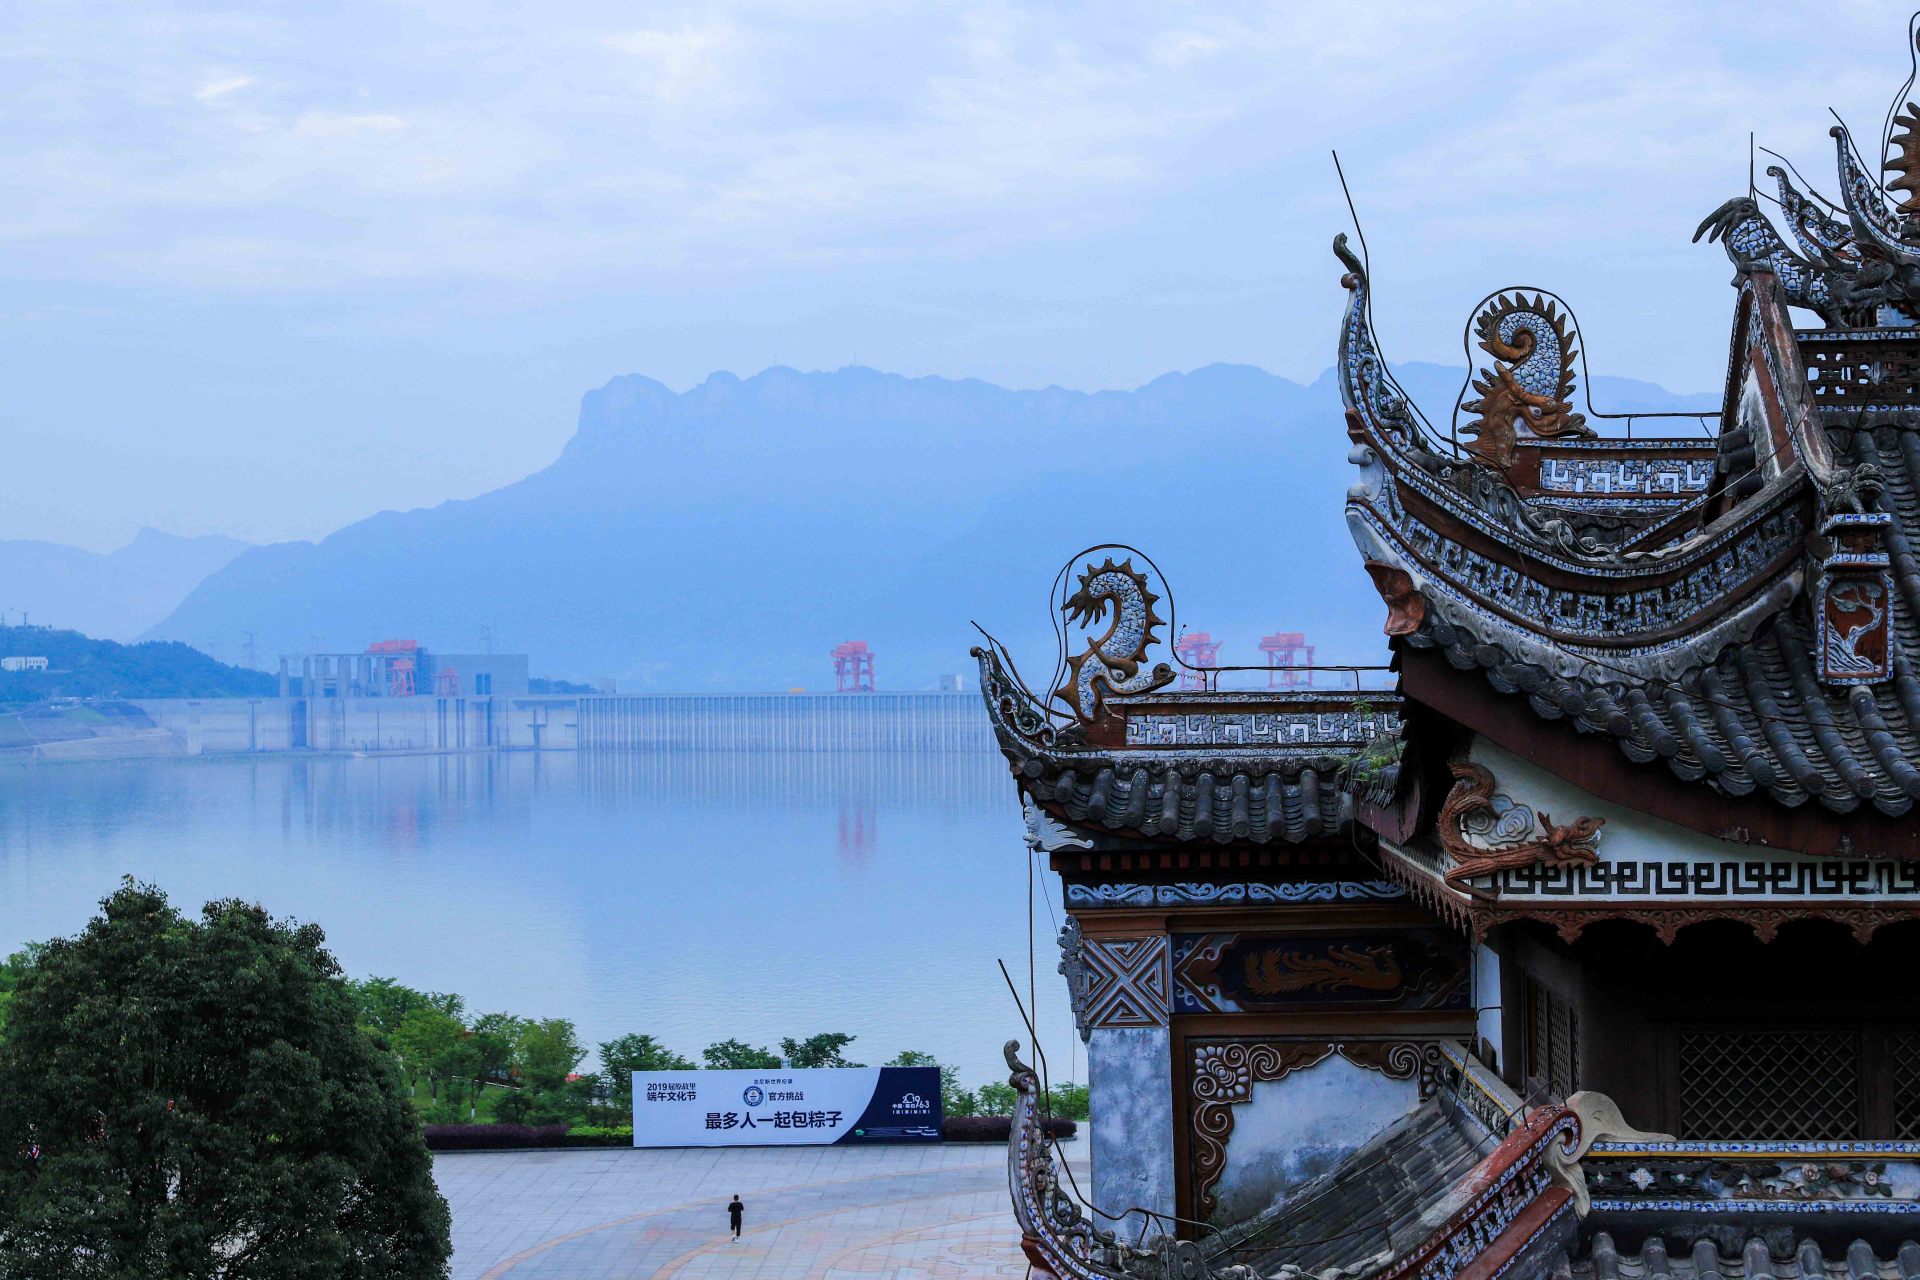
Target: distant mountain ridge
116, 595
725, 538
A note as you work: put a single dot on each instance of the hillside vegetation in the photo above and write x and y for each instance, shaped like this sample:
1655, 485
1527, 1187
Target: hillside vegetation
81, 667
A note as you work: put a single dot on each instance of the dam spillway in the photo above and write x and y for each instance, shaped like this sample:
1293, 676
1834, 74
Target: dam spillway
914, 722
788, 722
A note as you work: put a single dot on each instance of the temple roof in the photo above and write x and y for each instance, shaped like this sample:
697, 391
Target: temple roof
1194, 766
1752, 1259
1759, 632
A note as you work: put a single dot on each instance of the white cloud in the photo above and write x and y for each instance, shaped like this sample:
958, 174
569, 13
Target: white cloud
336, 123
216, 89
762, 137
675, 65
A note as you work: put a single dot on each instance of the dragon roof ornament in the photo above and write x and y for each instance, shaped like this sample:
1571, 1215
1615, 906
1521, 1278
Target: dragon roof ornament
1112, 662
1857, 266
1530, 387
1496, 571
1756, 638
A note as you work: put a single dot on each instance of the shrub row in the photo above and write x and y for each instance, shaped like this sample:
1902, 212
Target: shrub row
997, 1128
496, 1137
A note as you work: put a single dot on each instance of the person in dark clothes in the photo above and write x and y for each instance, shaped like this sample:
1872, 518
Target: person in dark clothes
734, 1211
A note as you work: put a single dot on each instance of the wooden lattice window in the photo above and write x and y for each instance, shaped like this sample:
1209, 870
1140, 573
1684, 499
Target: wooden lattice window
1553, 1040
1757, 1085
1856, 370
1904, 1050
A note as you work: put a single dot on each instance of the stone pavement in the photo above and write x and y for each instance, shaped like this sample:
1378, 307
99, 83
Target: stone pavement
813, 1213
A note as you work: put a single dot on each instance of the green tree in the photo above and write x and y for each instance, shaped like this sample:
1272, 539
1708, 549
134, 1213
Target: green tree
548, 1051
996, 1099
196, 1099
12, 970
736, 1055
495, 1037
433, 1043
619, 1059
1069, 1100
384, 1004
823, 1050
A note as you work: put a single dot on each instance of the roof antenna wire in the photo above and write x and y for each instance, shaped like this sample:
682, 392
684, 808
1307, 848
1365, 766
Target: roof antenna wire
1366, 263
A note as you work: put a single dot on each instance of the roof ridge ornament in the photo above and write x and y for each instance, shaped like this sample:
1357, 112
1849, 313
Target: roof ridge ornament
1863, 272
1112, 662
1529, 391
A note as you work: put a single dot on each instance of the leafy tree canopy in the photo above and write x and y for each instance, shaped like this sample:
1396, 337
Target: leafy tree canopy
384, 1004
619, 1059
548, 1051
737, 1055
12, 969
823, 1050
196, 1099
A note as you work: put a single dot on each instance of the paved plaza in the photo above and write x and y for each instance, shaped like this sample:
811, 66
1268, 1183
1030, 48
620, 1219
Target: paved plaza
813, 1213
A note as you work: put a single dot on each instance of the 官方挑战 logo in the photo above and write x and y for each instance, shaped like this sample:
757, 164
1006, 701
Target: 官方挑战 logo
912, 1104
754, 1095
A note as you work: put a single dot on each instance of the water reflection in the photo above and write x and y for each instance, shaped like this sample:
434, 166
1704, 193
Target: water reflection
695, 896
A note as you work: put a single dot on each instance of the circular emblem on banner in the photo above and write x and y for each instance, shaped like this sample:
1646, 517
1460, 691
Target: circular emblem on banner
753, 1096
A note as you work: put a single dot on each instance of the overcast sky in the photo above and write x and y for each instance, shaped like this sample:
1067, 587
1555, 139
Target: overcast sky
271, 268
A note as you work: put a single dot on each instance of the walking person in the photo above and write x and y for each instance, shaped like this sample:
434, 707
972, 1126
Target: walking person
734, 1211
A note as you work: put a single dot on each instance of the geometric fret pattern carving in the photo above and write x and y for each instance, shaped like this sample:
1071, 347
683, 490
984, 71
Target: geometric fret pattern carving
1128, 981
1224, 1072
1752, 1085
1668, 477
1679, 878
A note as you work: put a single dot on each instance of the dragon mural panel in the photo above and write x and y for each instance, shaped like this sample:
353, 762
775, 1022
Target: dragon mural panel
1274, 972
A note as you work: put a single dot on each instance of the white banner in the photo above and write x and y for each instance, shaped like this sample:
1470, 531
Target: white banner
781, 1106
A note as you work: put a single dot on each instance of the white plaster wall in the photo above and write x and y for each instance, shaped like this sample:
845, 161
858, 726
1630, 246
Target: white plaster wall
1131, 1132
1629, 835
1298, 1127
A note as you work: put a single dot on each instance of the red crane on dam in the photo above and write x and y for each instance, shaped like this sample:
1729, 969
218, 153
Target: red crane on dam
853, 667
1287, 668
1197, 649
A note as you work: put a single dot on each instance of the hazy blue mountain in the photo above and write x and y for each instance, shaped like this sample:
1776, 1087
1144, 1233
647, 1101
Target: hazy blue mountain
726, 538
116, 595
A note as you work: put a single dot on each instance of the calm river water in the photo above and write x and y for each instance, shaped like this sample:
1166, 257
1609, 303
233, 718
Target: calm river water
694, 897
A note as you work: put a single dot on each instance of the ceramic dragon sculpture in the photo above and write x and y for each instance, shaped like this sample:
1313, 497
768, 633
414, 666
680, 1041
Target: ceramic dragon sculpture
1753, 245
1530, 387
1471, 805
1855, 260
1114, 662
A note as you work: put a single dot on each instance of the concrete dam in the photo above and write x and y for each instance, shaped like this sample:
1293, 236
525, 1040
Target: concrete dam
890, 722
